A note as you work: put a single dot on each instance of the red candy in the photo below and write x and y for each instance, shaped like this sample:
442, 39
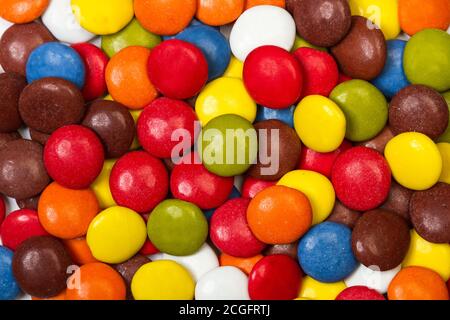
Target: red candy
2, 209
158, 123
273, 77
148, 248
74, 156
191, 182
361, 178
321, 162
177, 69
275, 277
95, 61
139, 181
320, 71
19, 226
229, 230
252, 187
360, 293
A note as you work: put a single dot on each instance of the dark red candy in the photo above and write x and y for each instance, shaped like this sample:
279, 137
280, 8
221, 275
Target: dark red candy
380, 141
11, 86
148, 248
252, 186
343, 215
2, 210
360, 293
128, 268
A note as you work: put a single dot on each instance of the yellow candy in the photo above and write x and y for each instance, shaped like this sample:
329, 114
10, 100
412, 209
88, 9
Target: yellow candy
225, 96
108, 97
444, 149
316, 187
135, 114
235, 69
101, 186
116, 234
162, 280
103, 17
415, 160
384, 13
302, 43
429, 255
320, 123
315, 290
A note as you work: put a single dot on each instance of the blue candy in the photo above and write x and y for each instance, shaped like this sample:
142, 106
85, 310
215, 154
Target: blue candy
9, 289
194, 22
325, 252
233, 195
54, 59
284, 115
393, 77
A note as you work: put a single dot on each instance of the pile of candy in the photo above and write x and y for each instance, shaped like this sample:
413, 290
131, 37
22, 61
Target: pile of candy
225, 149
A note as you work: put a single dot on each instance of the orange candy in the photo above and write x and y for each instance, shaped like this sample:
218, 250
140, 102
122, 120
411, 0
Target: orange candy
22, 11
66, 213
417, 283
245, 264
79, 251
219, 12
127, 78
96, 281
279, 215
165, 17
253, 3
416, 15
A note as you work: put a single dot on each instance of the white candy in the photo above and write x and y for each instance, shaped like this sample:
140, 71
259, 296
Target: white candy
197, 264
260, 26
61, 22
372, 278
224, 283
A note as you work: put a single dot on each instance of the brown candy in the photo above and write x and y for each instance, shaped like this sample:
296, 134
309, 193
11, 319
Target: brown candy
17, 43
430, 213
380, 238
7, 137
289, 147
22, 171
50, 103
11, 86
39, 136
362, 53
398, 201
29, 203
343, 215
40, 266
129, 268
114, 125
290, 250
418, 108
379, 142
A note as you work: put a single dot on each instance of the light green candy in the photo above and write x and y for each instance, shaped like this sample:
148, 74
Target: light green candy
446, 136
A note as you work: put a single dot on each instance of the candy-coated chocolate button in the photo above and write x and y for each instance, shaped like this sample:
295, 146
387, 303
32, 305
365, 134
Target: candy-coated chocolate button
219, 12
314, 290
101, 186
11, 87
9, 286
359, 293
22, 11
444, 149
235, 69
433, 14
129, 268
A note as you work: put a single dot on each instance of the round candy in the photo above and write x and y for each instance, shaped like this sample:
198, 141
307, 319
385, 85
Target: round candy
165, 17
101, 186
283, 115
38, 136
224, 96
62, 23
162, 280
11, 86
277, 87
279, 215
398, 201
417, 283
2, 210
381, 239
316, 187
56, 60
314, 290
18, 42
430, 213
224, 283
365, 109
415, 160
433, 14
74, 156
219, 12
343, 215
147, 185
235, 69
380, 141
103, 16
109, 241
177, 227
325, 252
418, 108
183, 79
251, 187
362, 54
127, 78
261, 26
253, 3
444, 149
446, 136
392, 79
48, 260
129, 268
22, 171
320, 123
372, 278
276, 277
244, 264
7, 137
79, 251
113, 124
427, 59
96, 281
67, 213
22, 11
9, 288
290, 249
359, 293
19, 226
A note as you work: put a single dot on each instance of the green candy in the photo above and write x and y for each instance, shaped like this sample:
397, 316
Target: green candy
427, 59
446, 136
365, 109
177, 227
228, 156
132, 35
